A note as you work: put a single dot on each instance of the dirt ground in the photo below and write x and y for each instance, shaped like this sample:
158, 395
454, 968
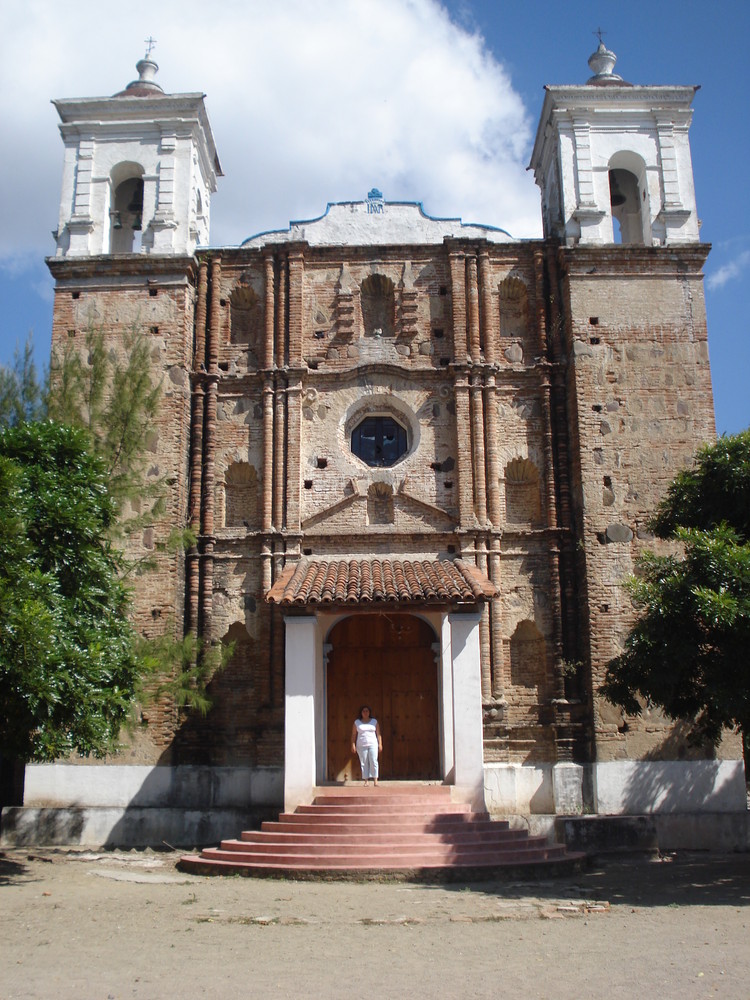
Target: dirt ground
114, 925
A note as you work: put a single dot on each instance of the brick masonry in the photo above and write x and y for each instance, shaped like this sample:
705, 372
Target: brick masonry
548, 394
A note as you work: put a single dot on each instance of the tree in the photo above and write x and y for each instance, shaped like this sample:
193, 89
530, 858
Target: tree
688, 651
21, 395
68, 663
71, 663
115, 400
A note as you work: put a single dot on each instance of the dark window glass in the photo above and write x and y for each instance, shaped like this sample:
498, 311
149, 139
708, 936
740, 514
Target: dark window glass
379, 441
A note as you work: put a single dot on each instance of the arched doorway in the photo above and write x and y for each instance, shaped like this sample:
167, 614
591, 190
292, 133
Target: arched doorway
386, 661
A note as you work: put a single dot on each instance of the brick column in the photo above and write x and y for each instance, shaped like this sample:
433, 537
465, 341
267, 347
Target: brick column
458, 306
279, 462
473, 309
267, 400
489, 317
557, 420
463, 436
209, 457
496, 623
267, 498
485, 655
294, 408
192, 562
564, 730
294, 389
281, 313
492, 434
269, 312
477, 447
201, 312
296, 305
197, 405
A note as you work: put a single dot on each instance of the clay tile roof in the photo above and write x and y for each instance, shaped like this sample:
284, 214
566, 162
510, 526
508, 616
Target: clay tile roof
365, 581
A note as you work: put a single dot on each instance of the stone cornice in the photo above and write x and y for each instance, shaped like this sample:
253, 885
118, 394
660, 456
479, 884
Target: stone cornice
151, 269
654, 262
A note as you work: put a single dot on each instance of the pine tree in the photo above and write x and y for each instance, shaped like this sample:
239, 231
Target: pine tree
688, 651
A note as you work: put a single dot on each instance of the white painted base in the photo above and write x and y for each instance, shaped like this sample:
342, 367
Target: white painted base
136, 806
121, 786
698, 786
616, 788
97, 826
695, 804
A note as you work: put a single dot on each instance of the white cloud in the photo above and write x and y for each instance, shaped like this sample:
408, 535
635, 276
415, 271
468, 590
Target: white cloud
728, 272
309, 103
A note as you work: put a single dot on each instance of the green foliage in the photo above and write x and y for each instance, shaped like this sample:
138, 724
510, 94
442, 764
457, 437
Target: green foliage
115, 400
68, 662
21, 394
181, 670
715, 490
688, 651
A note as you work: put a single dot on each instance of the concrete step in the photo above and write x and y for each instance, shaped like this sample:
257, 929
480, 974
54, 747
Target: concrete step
409, 789
389, 859
528, 868
324, 849
377, 800
397, 837
374, 824
405, 830
383, 808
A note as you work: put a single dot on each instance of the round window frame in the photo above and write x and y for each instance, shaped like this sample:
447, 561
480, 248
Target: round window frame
379, 417
376, 406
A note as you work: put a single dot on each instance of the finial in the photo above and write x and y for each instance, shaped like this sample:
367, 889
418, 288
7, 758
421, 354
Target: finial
602, 62
145, 85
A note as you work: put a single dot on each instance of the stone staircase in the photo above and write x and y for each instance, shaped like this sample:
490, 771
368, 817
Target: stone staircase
410, 831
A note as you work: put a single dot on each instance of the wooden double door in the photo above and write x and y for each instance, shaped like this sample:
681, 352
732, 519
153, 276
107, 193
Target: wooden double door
386, 661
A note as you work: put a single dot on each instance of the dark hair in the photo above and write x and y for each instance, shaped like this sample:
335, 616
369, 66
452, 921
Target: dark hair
362, 710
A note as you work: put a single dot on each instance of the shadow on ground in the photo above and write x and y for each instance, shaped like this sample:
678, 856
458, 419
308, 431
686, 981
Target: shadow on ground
11, 870
683, 879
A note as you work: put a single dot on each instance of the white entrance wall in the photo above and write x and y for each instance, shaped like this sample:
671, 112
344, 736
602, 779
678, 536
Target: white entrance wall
467, 708
446, 701
460, 705
299, 716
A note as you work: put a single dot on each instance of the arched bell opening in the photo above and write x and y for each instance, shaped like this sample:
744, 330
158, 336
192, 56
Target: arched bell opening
386, 661
126, 208
628, 195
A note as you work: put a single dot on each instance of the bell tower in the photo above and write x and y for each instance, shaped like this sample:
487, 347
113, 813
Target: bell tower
613, 161
140, 168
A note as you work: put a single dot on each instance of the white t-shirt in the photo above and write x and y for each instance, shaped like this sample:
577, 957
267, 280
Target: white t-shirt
366, 732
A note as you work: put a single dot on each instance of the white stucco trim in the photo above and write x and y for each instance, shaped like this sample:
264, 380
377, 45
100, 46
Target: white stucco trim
467, 708
299, 722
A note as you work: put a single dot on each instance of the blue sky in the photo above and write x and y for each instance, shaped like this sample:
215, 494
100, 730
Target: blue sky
313, 102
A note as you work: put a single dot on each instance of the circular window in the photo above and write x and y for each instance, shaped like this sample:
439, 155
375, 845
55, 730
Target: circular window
379, 441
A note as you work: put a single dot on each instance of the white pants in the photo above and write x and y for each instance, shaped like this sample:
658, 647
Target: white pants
368, 759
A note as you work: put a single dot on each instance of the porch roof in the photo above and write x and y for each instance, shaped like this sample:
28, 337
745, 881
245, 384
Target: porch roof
394, 581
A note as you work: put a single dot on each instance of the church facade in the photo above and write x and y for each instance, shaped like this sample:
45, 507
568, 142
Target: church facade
419, 458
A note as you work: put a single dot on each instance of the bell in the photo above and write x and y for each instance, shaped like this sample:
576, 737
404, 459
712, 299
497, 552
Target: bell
137, 222
116, 220
615, 194
136, 202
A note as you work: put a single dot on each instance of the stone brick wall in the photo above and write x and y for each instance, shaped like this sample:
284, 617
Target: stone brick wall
640, 403
154, 298
548, 396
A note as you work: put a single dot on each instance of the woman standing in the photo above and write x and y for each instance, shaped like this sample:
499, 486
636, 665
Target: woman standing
367, 743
